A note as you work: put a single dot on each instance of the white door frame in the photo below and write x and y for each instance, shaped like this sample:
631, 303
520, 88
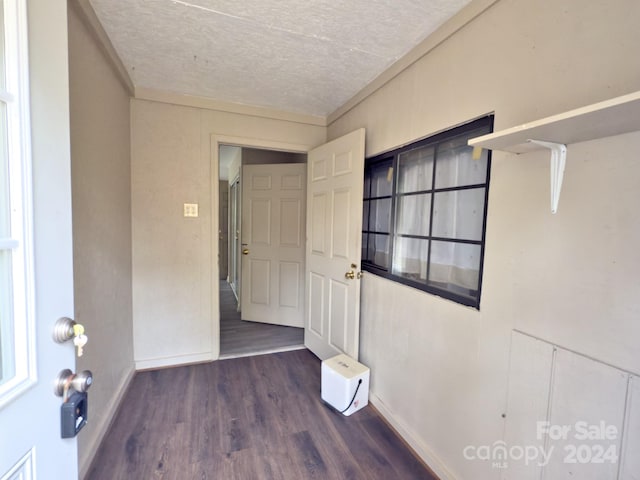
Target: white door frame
249, 142
234, 234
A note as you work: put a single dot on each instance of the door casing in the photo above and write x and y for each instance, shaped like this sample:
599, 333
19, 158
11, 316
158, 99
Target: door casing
216, 141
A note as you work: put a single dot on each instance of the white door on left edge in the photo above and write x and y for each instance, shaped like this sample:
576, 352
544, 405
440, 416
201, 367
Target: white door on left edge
273, 242
36, 274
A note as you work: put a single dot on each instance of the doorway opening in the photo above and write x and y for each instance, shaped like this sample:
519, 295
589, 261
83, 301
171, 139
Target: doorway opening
252, 261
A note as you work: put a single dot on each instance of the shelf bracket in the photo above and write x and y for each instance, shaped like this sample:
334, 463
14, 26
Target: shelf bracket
558, 161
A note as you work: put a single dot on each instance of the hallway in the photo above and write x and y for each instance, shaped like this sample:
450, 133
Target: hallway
240, 338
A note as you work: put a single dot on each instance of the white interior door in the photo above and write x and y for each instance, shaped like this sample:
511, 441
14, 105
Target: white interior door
334, 246
36, 275
273, 225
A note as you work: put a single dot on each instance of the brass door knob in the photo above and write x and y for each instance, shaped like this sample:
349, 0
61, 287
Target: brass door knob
350, 275
245, 251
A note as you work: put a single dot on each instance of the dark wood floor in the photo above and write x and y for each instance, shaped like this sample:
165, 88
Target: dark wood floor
247, 418
238, 337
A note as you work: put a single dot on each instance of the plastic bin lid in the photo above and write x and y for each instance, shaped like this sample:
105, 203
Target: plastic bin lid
346, 366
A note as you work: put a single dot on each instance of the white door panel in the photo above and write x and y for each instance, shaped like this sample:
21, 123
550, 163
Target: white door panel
290, 280
339, 311
316, 317
291, 231
340, 225
30, 443
318, 222
334, 240
273, 219
260, 224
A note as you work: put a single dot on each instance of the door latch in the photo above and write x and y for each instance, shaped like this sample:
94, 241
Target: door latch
350, 275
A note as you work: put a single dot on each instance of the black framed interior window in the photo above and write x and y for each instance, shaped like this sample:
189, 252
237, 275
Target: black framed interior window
424, 214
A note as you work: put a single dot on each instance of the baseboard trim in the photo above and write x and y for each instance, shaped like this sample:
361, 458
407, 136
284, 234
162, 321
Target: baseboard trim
262, 352
418, 446
174, 361
107, 420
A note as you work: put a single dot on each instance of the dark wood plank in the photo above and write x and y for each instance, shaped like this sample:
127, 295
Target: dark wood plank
257, 417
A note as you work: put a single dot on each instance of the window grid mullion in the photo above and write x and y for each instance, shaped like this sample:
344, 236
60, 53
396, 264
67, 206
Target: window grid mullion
440, 239
441, 190
367, 196
433, 186
394, 206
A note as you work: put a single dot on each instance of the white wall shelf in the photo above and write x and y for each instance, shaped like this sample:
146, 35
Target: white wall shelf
603, 119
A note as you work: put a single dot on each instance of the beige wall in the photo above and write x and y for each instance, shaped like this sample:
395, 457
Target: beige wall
254, 156
101, 190
175, 302
440, 369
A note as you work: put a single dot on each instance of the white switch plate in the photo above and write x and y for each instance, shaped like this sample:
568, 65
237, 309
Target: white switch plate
190, 209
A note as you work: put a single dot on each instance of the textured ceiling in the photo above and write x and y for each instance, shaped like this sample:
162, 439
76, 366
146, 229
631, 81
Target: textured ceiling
293, 55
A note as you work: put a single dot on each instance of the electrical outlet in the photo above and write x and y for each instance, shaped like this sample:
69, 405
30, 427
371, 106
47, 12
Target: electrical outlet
190, 209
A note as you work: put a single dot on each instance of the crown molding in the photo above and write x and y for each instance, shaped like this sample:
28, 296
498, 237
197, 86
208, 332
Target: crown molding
208, 103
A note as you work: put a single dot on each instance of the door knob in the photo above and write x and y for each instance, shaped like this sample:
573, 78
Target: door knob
351, 275
66, 380
63, 330
245, 251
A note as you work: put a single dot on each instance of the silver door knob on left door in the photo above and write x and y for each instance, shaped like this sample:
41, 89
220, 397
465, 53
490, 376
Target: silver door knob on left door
63, 330
67, 380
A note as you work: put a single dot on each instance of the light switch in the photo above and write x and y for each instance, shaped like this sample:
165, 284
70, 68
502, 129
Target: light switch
190, 209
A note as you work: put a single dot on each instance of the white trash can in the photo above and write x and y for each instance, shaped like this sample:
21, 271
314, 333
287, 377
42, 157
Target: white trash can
344, 384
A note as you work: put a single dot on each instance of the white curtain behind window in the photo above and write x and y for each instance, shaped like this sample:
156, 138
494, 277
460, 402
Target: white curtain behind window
457, 214
413, 212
